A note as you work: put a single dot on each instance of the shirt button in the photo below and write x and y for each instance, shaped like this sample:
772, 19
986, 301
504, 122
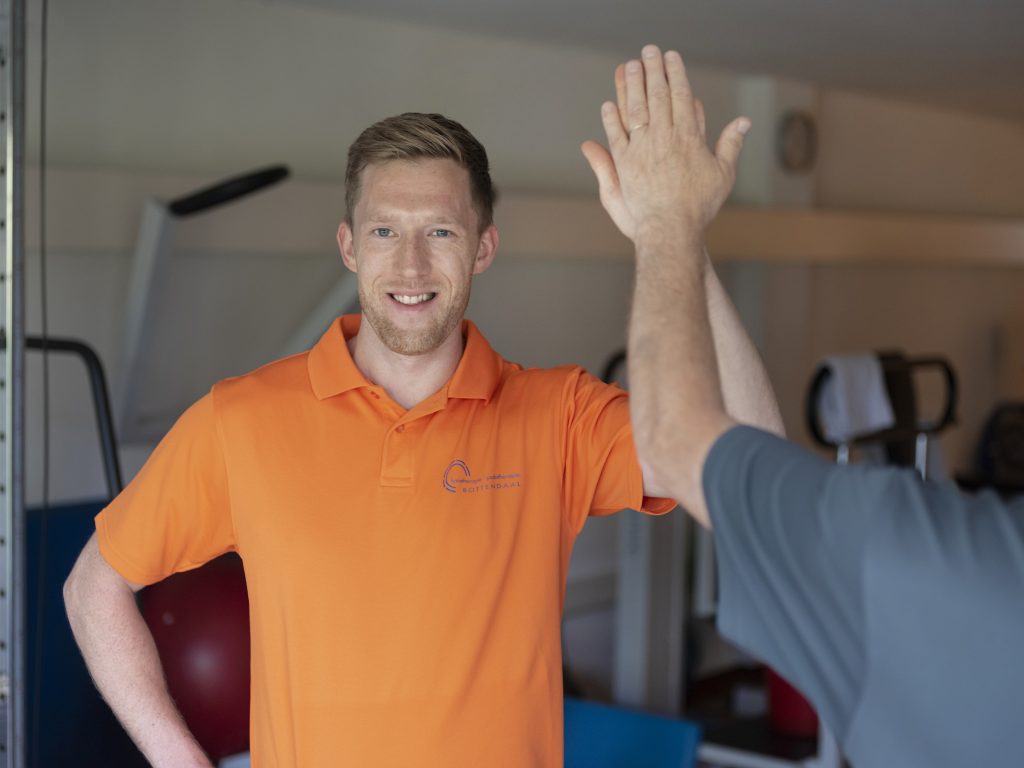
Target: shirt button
400, 428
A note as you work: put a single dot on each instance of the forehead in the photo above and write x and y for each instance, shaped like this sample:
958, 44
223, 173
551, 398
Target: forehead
428, 186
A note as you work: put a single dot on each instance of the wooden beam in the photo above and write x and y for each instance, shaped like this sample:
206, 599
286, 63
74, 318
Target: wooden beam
302, 217
837, 237
556, 227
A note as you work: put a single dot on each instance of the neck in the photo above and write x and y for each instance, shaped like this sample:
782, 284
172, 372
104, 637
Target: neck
408, 379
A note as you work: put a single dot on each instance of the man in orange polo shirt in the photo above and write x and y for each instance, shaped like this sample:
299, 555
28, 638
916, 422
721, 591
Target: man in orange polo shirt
404, 500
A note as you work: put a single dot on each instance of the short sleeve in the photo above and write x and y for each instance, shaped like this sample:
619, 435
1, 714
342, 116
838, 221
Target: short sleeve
175, 514
790, 538
602, 473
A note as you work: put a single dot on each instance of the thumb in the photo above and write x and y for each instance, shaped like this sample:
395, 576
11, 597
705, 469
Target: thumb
603, 166
730, 143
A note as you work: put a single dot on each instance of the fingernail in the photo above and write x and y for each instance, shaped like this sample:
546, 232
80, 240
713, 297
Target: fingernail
633, 65
650, 51
743, 126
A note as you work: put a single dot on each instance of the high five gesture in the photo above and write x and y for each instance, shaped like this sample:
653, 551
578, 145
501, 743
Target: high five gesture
692, 368
658, 169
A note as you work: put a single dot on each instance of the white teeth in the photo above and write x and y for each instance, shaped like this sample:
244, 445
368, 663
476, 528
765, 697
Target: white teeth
412, 299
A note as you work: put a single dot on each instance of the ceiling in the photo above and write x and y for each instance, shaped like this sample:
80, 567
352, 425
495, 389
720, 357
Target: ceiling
950, 53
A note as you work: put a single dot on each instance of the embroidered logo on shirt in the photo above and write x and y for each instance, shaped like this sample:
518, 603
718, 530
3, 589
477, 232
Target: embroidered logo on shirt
458, 479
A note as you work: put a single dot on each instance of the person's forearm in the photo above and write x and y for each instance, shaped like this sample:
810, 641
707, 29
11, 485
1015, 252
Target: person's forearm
676, 399
746, 389
122, 659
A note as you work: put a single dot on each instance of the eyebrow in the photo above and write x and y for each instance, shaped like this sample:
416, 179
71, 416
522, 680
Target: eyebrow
434, 217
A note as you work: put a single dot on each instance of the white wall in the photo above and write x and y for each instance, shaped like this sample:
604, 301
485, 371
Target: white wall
880, 154
220, 85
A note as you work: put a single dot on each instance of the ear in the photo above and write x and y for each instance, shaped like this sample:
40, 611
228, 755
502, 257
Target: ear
345, 246
486, 250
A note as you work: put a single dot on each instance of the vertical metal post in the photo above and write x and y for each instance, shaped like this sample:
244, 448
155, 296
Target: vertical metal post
650, 611
12, 440
843, 454
921, 454
632, 611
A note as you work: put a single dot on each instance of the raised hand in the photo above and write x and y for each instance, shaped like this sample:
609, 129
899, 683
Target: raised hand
659, 171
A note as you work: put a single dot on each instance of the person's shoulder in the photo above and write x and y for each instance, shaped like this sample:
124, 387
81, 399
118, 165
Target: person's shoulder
288, 376
564, 390
540, 381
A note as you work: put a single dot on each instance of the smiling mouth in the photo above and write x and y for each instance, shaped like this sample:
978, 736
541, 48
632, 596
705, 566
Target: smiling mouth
412, 299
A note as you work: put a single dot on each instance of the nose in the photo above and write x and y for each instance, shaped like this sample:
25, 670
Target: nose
413, 258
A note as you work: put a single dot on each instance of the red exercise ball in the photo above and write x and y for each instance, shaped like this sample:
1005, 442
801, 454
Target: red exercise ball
200, 622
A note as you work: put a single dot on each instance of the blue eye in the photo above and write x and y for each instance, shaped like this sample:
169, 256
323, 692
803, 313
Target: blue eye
383, 232
442, 233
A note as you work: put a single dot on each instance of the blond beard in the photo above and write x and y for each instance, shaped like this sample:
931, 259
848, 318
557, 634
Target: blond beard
419, 341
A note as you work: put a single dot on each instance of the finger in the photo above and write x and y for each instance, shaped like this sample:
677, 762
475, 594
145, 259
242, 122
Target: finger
657, 86
613, 128
683, 111
698, 107
620, 91
603, 166
730, 143
637, 115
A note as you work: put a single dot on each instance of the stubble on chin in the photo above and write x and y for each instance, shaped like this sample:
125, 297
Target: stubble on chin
411, 342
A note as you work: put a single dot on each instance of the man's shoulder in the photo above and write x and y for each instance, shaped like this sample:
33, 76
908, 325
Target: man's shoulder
283, 378
516, 378
564, 388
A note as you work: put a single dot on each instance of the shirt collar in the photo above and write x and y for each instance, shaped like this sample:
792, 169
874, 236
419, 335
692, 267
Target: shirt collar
479, 370
332, 370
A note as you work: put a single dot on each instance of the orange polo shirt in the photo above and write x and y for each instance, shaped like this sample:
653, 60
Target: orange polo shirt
406, 569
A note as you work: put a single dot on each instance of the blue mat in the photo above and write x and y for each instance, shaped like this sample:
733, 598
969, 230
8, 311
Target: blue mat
602, 736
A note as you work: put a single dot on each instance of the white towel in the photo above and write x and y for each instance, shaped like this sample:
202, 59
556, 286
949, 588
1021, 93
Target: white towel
853, 399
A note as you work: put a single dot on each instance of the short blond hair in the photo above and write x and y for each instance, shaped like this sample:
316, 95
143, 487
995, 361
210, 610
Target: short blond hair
418, 135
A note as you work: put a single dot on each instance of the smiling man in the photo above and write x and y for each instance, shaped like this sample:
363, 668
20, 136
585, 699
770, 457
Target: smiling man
404, 500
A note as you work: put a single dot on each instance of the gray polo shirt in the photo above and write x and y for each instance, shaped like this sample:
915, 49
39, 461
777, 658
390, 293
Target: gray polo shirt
895, 605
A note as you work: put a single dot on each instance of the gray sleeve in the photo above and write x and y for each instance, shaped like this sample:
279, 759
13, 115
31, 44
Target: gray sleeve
895, 605
790, 540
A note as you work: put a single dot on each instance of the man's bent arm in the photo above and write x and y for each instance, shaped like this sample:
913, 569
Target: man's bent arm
662, 187
122, 659
746, 389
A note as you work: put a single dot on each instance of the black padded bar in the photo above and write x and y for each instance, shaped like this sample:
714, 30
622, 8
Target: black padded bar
100, 399
225, 191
